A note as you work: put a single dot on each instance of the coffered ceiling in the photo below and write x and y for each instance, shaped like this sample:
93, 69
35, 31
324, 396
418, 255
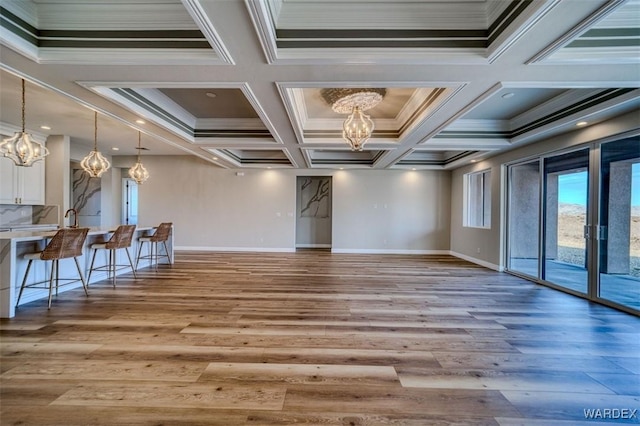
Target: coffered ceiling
240, 83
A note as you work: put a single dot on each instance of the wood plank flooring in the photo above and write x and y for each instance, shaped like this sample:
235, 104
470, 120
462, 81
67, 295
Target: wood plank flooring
318, 338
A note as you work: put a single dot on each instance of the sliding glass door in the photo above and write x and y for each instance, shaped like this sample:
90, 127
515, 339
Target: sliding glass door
524, 212
573, 221
566, 182
619, 230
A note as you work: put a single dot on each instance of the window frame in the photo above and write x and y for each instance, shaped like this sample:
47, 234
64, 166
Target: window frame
479, 202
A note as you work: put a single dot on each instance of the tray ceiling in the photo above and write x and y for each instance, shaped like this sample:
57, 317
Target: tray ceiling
239, 83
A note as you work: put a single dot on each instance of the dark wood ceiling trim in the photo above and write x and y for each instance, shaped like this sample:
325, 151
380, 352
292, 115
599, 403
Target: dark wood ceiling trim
19, 27
608, 37
121, 39
246, 160
142, 102
291, 38
433, 96
506, 18
378, 34
416, 43
231, 133
577, 107
472, 134
408, 161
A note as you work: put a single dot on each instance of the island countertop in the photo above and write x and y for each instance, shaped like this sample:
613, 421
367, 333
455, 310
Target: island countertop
38, 235
15, 244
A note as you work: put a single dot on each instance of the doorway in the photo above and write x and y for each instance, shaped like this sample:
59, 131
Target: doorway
129, 202
313, 212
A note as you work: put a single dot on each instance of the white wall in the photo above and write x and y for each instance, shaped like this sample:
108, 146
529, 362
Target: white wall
391, 211
213, 208
57, 178
466, 241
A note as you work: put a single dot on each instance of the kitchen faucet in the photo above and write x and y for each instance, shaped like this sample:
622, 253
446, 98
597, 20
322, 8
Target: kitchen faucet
75, 217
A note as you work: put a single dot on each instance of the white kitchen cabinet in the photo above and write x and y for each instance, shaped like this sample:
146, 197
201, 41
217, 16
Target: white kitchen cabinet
21, 185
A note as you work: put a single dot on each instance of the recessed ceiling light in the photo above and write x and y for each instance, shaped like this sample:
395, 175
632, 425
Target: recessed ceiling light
581, 123
413, 168
474, 161
139, 121
211, 94
215, 158
45, 127
507, 95
115, 148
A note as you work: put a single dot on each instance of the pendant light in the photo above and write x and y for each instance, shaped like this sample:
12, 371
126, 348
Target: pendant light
138, 172
20, 148
94, 163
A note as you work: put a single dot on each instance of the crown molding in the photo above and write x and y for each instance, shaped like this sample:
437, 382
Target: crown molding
576, 31
206, 26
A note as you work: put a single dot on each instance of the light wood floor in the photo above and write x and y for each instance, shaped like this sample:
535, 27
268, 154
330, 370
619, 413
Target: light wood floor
316, 338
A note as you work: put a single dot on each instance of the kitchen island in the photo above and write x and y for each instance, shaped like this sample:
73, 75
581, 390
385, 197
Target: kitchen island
14, 245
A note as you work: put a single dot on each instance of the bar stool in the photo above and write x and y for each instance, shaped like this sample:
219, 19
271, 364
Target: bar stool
120, 239
66, 243
160, 236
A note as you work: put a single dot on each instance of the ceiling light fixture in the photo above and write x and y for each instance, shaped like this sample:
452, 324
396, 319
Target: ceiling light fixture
358, 127
507, 95
20, 148
581, 123
138, 172
44, 127
139, 121
94, 163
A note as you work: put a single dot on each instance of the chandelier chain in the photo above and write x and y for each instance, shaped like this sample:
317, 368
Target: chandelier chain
95, 130
23, 107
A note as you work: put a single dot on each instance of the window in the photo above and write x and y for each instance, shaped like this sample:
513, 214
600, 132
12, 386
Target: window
477, 199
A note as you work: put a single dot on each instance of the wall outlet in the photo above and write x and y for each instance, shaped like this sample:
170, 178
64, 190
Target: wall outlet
478, 250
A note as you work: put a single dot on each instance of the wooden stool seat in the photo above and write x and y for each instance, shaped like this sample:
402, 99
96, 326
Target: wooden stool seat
161, 235
120, 239
66, 243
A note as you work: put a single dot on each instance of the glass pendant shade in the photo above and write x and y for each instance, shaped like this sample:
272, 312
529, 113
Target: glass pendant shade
138, 172
95, 163
357, 129
20, 148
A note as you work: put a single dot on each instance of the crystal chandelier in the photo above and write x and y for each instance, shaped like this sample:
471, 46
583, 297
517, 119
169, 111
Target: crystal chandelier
358, 127
138, 172
94, 163
20, 148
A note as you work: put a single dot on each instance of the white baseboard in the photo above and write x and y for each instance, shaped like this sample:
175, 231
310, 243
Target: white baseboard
476, 261
346, 251
387, 251
324, 246
254, 249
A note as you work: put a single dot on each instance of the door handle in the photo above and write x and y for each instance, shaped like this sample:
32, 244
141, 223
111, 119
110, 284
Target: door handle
602, 232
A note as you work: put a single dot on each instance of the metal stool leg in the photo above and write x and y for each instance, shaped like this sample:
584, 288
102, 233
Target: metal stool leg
53, 271
93, 259
140, 244
166, 250
24, 281
131, 263
84, 284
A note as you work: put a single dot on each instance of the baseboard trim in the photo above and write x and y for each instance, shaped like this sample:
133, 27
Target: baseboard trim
323, 246
477, 261
387, 251
248, 249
